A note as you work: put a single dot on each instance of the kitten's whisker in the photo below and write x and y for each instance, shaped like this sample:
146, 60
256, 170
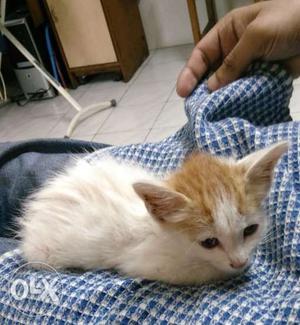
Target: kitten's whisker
268, 235
267, 240
272, 230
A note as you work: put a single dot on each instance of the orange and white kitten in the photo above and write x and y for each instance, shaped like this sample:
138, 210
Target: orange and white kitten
201, 223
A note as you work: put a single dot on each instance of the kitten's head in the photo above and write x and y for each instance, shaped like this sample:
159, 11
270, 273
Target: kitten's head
216, 204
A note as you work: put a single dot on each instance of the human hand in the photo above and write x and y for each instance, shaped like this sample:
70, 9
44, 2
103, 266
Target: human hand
267, 30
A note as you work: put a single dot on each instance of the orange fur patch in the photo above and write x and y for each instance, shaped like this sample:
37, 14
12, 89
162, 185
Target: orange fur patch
204, 179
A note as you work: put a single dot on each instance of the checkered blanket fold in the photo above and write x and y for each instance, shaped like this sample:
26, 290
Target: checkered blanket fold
249, 114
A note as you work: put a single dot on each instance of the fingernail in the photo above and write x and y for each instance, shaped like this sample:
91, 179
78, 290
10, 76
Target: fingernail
189, 87
212, 83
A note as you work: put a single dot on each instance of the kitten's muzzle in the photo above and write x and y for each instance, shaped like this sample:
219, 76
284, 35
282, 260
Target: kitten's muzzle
238, 264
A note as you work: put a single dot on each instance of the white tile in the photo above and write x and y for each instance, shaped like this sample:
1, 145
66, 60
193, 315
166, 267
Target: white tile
6, 110
141, 68
176, 53
86, 127
172, 115
297, 81
21, 127
140, 103
144, 93
295, 116
121, 138
55, 106
159, 134
76, 137
83, 137
97, 93
106, 81
295, 100
50, 107
128, 118
174, 96
166, 71
36, 119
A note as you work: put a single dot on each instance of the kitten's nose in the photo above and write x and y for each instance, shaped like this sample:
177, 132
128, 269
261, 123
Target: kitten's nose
238, 264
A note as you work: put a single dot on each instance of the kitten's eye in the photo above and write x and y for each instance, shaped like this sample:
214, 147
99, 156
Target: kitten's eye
250, 230
210, 243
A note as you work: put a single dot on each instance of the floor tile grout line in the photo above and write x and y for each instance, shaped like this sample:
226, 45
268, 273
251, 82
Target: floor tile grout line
124, 131
85, 92
119, 101
135, 76
54, 126
122, 96
66, 112
164, 80
158, 115
163, 128
170, 61
163, 103
174, 46
163, 106
112, 109
151, 57
146, 137
57, 118
107, 133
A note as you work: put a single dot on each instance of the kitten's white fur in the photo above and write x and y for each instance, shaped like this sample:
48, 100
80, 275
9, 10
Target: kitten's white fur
91, 217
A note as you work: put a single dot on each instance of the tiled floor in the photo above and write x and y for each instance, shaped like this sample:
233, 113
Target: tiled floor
148, 106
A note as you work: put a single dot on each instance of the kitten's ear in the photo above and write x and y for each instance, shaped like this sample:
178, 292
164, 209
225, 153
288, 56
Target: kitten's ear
259, 168
162, 203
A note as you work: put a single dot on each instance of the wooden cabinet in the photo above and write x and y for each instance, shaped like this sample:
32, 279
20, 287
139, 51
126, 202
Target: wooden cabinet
98, 35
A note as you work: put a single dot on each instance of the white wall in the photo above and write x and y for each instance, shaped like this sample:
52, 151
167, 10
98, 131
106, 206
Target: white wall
167, 22
223, 6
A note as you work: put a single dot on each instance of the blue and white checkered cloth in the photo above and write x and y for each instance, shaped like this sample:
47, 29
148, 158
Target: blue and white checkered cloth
249, 114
